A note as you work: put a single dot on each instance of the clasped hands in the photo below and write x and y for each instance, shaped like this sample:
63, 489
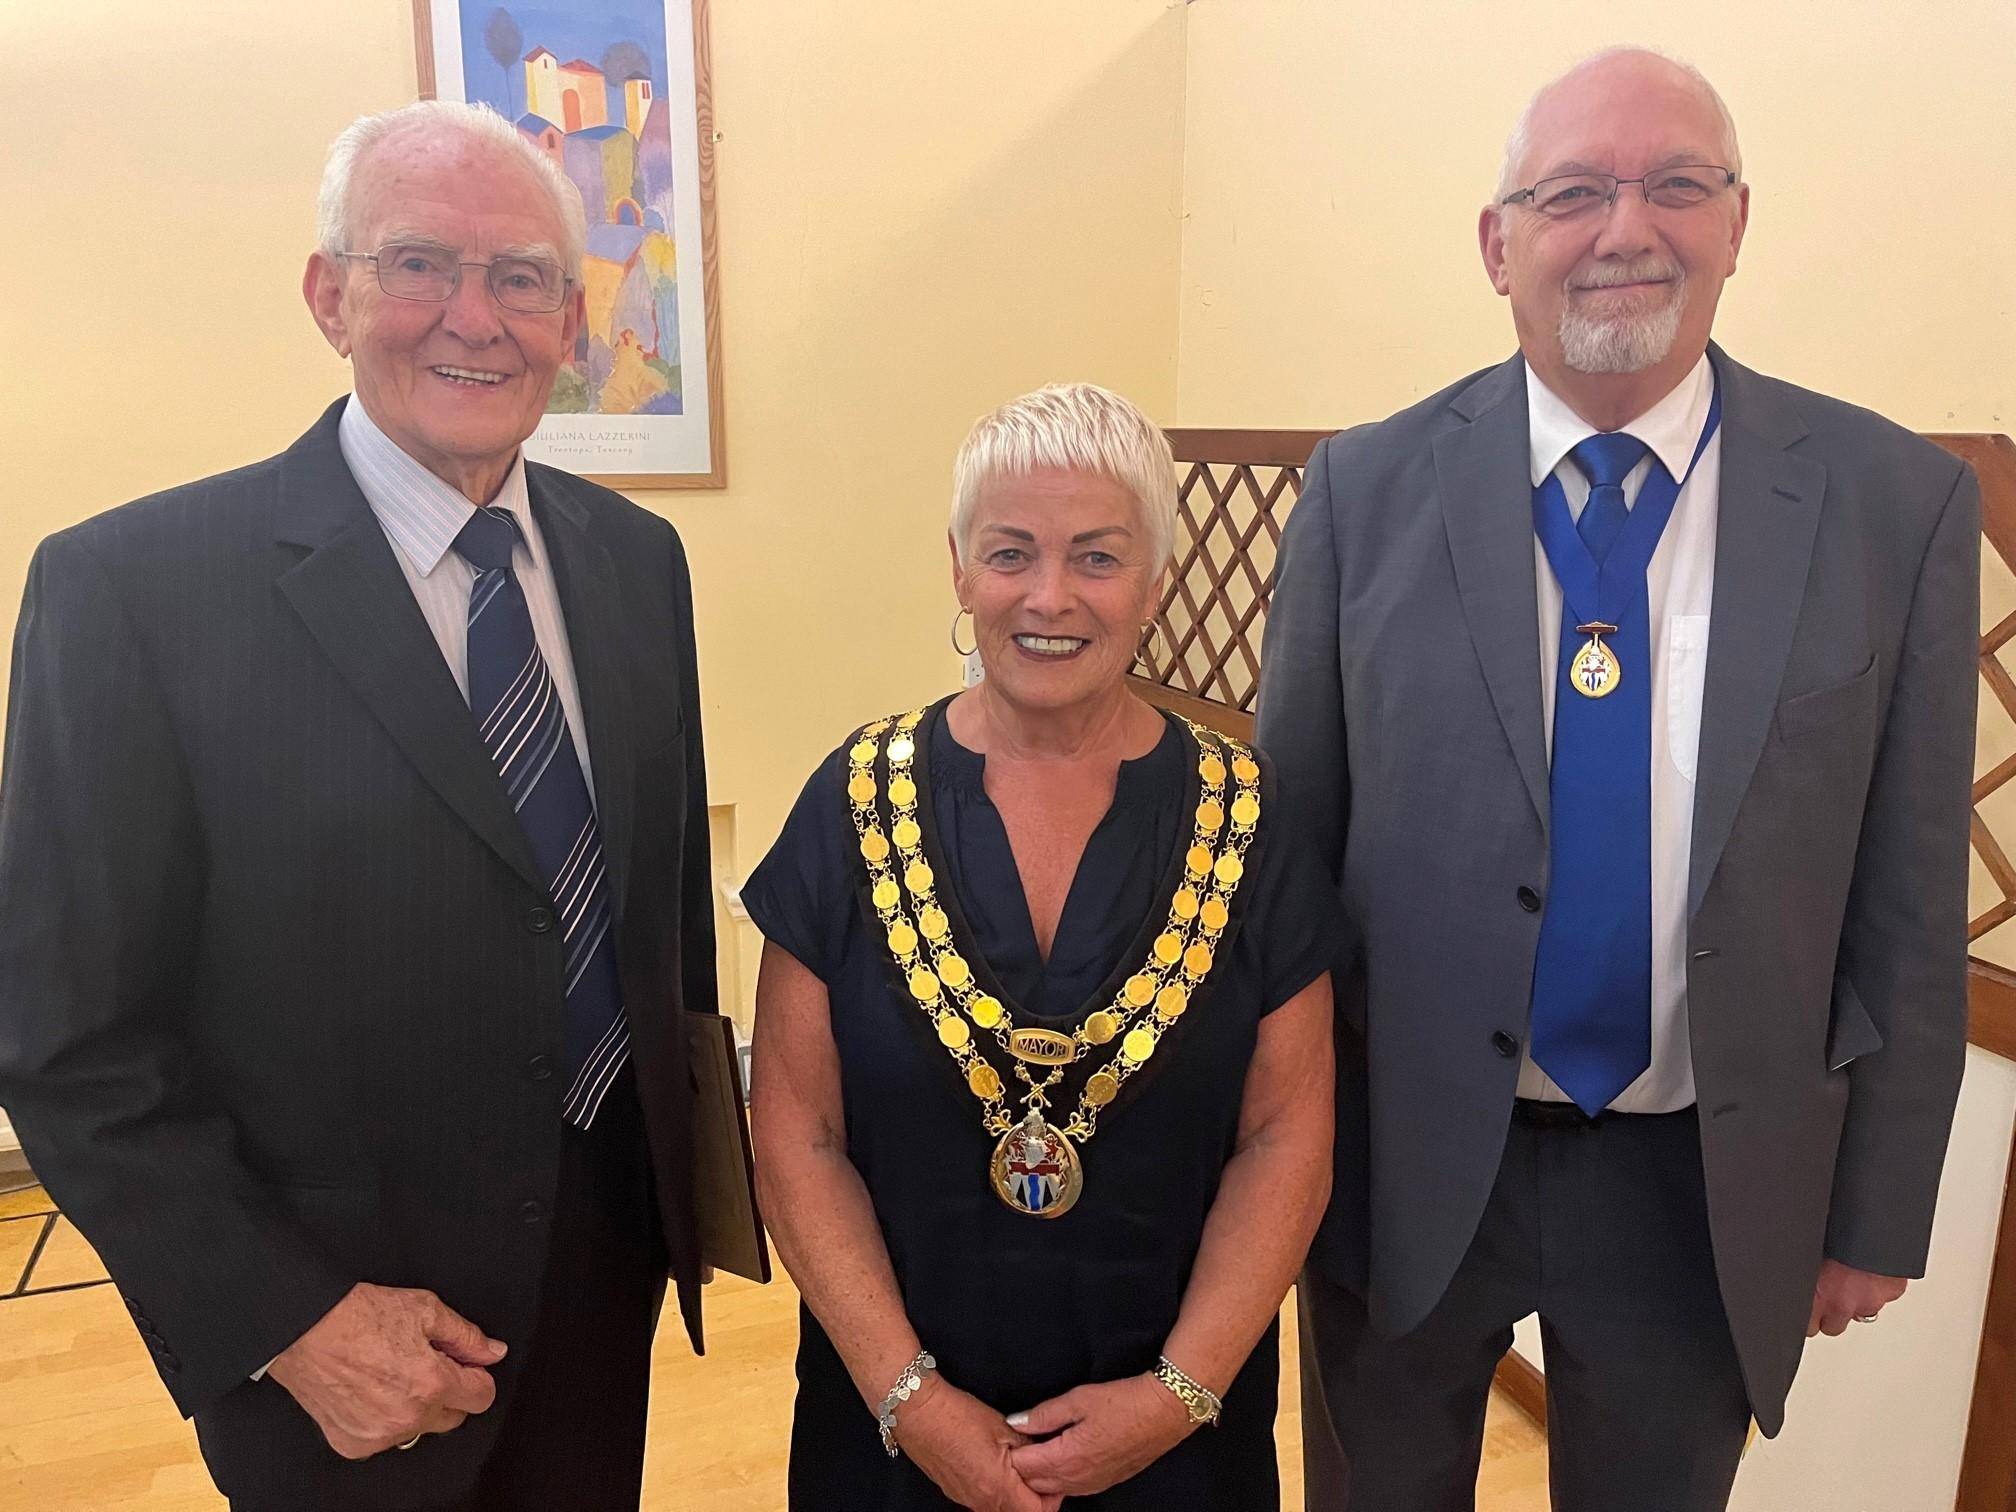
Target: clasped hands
1076, 1444
387, 1364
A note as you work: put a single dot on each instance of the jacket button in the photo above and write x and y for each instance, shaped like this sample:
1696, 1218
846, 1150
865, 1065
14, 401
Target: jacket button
531, 1212
539, 1068
1529, 900
540, 920
1505, 1044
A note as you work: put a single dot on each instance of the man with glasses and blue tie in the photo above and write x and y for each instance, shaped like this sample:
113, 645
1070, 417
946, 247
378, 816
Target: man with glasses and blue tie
1630, 695
353, 873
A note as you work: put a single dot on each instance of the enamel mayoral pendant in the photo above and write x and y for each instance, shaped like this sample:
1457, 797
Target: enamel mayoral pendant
1595, 671
1035, 1169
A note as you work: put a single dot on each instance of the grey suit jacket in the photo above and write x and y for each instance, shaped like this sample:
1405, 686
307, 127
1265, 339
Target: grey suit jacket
1401, 702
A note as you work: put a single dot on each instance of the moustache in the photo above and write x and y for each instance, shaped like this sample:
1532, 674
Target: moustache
1612, 275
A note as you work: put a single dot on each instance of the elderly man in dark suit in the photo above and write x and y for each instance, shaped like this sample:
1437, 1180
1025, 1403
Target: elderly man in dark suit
353, 872
1630, 695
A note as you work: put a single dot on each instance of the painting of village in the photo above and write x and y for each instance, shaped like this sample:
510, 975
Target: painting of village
585, 83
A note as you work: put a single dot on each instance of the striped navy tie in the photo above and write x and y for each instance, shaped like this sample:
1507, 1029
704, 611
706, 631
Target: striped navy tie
524, 726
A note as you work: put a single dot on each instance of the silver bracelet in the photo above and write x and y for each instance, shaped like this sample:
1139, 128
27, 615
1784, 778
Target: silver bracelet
908, 1384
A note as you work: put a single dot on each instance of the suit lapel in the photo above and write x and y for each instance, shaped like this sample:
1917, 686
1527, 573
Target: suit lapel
355, 601
1483, 476
585, 575
1768, 515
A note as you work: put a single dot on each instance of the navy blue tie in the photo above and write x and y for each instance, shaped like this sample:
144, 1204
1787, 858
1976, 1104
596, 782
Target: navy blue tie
1606, 461
524, 727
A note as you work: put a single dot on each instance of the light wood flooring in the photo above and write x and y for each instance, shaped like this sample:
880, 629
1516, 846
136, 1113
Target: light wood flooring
86, 1427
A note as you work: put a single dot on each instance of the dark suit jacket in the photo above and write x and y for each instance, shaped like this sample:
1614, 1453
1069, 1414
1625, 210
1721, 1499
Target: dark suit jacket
280, 1002
1401, 700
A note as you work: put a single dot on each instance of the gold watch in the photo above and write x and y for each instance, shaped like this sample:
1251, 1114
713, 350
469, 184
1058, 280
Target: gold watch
1200, 1401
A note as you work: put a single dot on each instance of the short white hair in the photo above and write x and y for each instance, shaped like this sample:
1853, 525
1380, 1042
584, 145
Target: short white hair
1517, 145
436, 120
1071, 427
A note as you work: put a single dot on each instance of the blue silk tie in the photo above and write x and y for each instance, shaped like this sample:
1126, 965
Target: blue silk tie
1606, 461
524, 727
1592, 979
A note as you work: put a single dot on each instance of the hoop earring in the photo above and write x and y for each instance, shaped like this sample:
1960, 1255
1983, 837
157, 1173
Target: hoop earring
963, 650
1150, 633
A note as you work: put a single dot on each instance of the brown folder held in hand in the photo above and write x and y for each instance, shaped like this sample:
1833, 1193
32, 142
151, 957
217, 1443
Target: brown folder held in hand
724, 1168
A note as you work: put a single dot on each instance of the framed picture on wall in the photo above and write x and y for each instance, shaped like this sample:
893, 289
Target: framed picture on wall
616, 93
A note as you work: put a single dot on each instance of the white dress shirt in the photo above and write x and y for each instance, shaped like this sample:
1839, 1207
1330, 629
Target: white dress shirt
1680, 585
421, 516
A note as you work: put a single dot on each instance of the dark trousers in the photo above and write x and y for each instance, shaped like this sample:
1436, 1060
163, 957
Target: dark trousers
573, 1431
1602, 1229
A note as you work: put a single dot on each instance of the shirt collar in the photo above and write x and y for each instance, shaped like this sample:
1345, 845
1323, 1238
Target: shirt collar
420, 512
1671, 428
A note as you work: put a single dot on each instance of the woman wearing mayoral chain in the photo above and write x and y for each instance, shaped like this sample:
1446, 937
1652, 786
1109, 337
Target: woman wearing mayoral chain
1042, 1097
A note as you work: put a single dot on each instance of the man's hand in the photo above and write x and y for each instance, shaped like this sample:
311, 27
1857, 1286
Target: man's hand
1105, 1434
386, 1364
1844, 1295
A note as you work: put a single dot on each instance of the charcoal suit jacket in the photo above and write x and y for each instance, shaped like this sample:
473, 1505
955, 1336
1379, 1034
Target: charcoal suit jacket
281, 1005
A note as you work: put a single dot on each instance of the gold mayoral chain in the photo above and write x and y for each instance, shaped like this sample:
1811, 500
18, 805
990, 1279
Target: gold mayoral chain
1035, 1168
1595, 671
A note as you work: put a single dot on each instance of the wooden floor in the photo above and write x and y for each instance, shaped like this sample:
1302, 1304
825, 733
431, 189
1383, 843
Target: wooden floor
86, 1427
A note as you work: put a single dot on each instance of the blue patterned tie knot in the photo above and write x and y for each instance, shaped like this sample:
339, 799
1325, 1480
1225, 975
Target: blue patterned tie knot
1605, 460
486, 538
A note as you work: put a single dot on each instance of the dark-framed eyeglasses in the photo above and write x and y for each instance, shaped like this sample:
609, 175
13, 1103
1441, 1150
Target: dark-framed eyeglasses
410, 270
1680, 187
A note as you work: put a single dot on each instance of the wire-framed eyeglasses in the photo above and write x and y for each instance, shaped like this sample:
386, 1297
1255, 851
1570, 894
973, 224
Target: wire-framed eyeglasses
1681, 187
410, 270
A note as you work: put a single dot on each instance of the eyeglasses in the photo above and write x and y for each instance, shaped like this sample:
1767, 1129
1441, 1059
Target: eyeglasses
527, 285
1568, 195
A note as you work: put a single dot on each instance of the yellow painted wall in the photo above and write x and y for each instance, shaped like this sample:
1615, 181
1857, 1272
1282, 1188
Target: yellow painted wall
1337, 153
923, 211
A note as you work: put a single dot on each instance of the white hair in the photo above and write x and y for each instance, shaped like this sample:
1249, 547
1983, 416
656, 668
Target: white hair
435, 120
1072, 427
1520, 141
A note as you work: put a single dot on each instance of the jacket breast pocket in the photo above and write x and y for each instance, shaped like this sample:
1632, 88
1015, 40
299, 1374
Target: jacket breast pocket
1686, 672
1824, 708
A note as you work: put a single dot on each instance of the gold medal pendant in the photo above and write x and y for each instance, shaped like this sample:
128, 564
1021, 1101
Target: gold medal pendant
1595, 671
1035, 1170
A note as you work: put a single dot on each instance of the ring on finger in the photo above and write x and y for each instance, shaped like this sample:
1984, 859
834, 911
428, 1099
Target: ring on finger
412, 1441
1865, 1317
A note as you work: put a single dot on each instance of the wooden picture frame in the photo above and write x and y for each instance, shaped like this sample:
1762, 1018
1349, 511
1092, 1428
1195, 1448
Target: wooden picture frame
639, 404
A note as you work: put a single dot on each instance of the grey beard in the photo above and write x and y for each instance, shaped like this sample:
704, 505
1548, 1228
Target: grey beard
1627, 344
